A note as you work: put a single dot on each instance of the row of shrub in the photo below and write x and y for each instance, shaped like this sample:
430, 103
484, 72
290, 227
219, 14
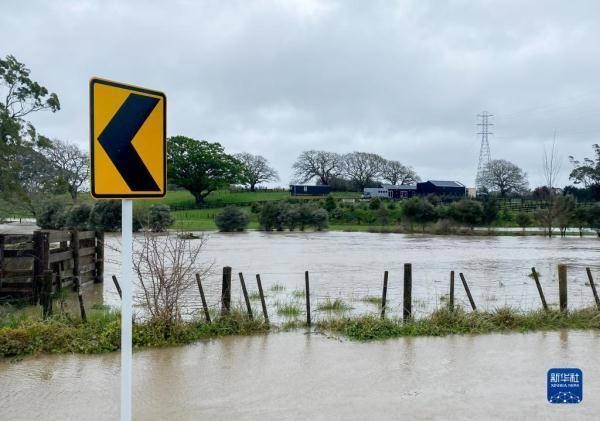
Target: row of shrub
274, 216
104, 215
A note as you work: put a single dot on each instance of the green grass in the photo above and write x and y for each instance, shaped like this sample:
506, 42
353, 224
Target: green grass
298, 293
372, 299
445, 322
254, 296
277, 287
336, 305
23, 335
287, 309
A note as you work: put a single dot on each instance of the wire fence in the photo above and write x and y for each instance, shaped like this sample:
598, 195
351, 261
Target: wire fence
285, 298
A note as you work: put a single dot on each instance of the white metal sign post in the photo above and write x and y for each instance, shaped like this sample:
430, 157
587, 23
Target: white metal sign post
126, 308
123, 169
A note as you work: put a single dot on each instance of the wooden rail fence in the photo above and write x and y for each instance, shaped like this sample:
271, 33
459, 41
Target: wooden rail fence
70, 258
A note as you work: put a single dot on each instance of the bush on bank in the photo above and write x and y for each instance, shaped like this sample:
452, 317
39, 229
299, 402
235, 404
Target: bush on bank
102, 333
445, 322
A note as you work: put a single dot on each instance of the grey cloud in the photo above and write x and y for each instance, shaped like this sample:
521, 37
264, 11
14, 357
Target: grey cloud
403, 79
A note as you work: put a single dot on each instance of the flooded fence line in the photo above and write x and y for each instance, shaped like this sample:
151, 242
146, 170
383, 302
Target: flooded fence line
35, 266
407, 298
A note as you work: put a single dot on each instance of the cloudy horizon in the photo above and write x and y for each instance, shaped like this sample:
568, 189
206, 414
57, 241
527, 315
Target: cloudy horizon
405, 79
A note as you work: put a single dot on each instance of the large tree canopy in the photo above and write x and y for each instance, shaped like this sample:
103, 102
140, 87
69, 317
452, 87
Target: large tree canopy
588, 171
256, 170
505, 177
72, 165
25, 171
362, 168
322, 165
21, 97
200, 166
397, 174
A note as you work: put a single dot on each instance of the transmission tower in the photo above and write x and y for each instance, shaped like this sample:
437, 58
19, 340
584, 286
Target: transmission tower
484, 150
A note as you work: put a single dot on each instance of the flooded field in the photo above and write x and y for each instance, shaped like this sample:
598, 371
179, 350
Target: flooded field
309, 376
350, 266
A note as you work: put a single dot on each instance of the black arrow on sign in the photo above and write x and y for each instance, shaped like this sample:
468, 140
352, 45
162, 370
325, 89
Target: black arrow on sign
116, 140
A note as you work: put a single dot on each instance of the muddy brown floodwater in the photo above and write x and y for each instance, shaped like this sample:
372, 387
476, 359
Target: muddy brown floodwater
298, 376
350, 266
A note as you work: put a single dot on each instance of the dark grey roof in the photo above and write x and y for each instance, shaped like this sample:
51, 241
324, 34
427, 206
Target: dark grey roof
442, 183
401, 187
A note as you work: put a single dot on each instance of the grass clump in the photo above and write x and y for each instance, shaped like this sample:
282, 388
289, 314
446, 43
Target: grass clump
277, 287
254, 296
336, 305
298, 293
445, 322
23, 335
288, 309
372, 299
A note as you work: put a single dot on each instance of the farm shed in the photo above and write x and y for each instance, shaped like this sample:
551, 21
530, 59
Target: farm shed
306, 190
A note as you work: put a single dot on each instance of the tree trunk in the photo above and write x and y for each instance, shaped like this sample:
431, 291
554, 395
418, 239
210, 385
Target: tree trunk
199, 199
252, 187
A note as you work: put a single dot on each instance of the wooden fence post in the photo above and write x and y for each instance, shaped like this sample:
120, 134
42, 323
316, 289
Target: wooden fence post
536, 278
562, 287
468, 291
41, 251
75, 253
451, 299
246, 298
46, 294
407, 311
593, 285
2, 241
262, 298
384, 293
226, 291
99, 262
307, 291
116, 282
203, 298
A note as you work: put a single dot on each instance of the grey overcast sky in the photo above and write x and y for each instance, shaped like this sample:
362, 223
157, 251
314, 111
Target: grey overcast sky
403, 79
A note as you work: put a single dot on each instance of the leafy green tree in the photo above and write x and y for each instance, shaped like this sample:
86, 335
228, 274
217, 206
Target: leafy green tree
375, 203
330, 203
200, 166
579, 218
24, 170
593, 218
587, 172
231, 219
78, 217
524, 220
467, 211
22, 96
564, 208
490, 211
420, 211
52, 215
159, 218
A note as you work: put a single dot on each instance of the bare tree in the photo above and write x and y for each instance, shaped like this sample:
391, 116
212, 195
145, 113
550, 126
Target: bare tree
552, 164
397, 174
505, 177
362, 168
322, 165
72, 165
166, 266
256, 169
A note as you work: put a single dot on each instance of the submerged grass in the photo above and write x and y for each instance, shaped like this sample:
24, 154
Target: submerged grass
336, 305
288, 309
445, 322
